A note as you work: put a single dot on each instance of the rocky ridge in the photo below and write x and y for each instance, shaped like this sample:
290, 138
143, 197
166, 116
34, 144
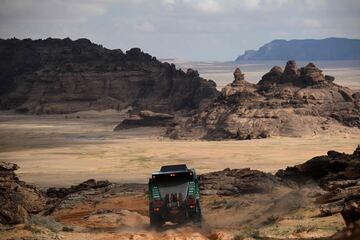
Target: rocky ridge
63, 76
277, 105
337, 173
306, 49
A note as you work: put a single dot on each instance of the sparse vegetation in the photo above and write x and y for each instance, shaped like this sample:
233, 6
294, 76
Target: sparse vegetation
44, 221
248, 232
271, 220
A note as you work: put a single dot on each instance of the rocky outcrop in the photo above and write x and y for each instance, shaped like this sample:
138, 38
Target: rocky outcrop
306, 76
146, 119
238, 76
65, 76
327, 169
90, 190
276, 106
311, 75
239, 88
17, 199
290, 74
231, 182
338, 174
272, 77
87, 185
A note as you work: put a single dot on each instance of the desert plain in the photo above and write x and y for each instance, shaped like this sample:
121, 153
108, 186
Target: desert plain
60, 150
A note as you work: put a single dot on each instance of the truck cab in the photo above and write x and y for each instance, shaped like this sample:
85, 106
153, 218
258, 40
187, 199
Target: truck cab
174, 196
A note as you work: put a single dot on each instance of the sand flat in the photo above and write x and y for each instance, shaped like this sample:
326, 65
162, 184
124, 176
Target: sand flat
59, 150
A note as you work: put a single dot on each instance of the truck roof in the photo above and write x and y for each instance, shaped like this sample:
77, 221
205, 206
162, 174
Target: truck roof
172, 168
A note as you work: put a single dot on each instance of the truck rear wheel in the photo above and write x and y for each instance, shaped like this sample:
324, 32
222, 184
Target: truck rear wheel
197, 216
156, 221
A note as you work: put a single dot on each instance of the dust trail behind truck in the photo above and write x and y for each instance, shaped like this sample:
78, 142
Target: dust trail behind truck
174, 196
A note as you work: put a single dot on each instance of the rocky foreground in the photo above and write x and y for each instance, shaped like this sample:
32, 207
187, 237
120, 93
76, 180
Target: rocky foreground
319, 199
290, 102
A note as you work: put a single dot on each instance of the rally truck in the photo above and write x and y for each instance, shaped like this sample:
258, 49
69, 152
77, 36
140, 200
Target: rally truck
174, 196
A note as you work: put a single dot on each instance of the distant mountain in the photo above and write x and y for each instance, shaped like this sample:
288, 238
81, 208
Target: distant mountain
307, 49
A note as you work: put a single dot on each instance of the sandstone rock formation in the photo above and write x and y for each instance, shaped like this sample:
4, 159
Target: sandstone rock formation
327, 170
278, 105
238, 76
239, 86
146, 119
339, 174
17, 199
303, 77
272, 77
65, 76
291, 73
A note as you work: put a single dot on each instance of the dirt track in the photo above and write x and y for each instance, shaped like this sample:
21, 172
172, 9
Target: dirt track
115, 214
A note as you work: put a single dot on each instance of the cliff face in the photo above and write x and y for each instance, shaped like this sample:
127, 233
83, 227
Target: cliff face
64, 76
307, 49
290, 102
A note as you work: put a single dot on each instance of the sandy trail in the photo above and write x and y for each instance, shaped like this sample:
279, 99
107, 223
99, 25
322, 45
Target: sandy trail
62, 150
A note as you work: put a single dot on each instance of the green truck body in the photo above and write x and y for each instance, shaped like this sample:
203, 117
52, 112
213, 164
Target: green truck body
174, 196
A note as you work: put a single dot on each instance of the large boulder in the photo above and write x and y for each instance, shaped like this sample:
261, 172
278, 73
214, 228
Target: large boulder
17, 199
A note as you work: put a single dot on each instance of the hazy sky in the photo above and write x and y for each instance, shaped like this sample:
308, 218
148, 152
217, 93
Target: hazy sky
188, 29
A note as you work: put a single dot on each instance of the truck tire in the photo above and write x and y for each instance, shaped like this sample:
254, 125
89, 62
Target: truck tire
197, 216
156, 221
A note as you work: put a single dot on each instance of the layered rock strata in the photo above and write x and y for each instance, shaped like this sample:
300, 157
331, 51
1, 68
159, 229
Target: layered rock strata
63, 76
